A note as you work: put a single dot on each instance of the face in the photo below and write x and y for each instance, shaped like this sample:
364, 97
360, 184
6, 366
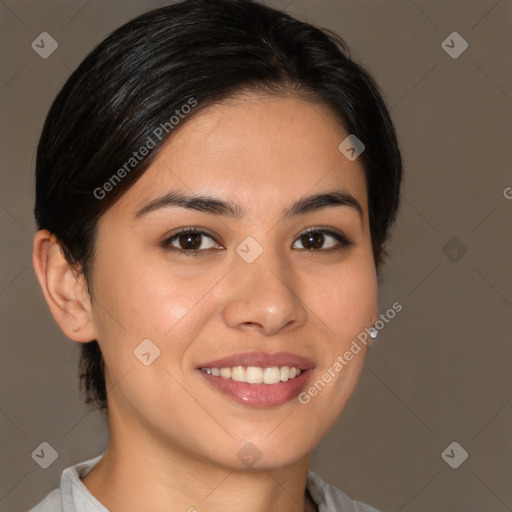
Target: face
250, 286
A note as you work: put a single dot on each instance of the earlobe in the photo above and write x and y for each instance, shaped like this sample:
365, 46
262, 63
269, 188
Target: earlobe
63, 288
375, 317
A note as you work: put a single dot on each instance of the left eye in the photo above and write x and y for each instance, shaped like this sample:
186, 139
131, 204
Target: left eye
315, 238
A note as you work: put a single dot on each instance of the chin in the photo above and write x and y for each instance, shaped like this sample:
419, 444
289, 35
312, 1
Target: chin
273, 447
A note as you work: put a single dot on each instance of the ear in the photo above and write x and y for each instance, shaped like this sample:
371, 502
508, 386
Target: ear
64, 288
375, 317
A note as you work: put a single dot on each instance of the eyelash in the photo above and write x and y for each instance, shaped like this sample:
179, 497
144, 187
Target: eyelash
338, 236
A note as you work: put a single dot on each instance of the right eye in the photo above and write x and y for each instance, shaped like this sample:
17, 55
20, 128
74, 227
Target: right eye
189, 241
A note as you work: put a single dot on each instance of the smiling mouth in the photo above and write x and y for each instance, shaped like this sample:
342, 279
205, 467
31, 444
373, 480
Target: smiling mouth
258, 379
255, 374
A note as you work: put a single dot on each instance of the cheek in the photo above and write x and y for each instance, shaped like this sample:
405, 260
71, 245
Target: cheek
345, 299
345, 302
153, 299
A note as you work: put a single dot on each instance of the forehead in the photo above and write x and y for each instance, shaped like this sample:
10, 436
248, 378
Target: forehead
262, 151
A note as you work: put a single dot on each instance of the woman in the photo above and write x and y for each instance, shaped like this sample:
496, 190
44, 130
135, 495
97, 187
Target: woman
215, 186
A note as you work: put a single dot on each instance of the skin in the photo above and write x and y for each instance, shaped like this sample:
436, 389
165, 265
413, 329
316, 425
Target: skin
174, 438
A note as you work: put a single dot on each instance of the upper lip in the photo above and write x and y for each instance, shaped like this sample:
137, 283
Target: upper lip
261, 359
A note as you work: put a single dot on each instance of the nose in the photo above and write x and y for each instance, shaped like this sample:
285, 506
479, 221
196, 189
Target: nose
264, 296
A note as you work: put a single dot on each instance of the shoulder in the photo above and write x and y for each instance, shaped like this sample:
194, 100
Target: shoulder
51, 503
72, 495
332, 499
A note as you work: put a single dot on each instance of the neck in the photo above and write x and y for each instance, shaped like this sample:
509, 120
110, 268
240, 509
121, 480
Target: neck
137, 474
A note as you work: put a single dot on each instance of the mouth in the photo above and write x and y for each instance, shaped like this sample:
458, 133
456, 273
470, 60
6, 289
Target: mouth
257, 379
255, 374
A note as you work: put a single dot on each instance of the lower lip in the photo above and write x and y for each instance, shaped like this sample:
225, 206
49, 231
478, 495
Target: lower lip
260, 395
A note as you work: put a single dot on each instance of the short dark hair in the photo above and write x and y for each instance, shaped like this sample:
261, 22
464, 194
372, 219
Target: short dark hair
193, 52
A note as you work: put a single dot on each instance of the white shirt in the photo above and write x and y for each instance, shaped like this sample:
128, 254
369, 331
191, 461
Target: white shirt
73, 496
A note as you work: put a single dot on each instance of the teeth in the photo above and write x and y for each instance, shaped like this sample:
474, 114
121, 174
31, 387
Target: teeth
271, 375
225, 373
238, 373
255, 374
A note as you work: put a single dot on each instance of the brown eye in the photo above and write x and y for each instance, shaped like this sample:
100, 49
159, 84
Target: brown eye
189, 241
312, 240
315, 239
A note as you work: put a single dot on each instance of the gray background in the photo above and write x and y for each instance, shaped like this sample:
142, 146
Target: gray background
440, 370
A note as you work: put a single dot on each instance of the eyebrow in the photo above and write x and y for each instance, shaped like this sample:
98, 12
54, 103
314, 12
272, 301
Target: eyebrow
216, 206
